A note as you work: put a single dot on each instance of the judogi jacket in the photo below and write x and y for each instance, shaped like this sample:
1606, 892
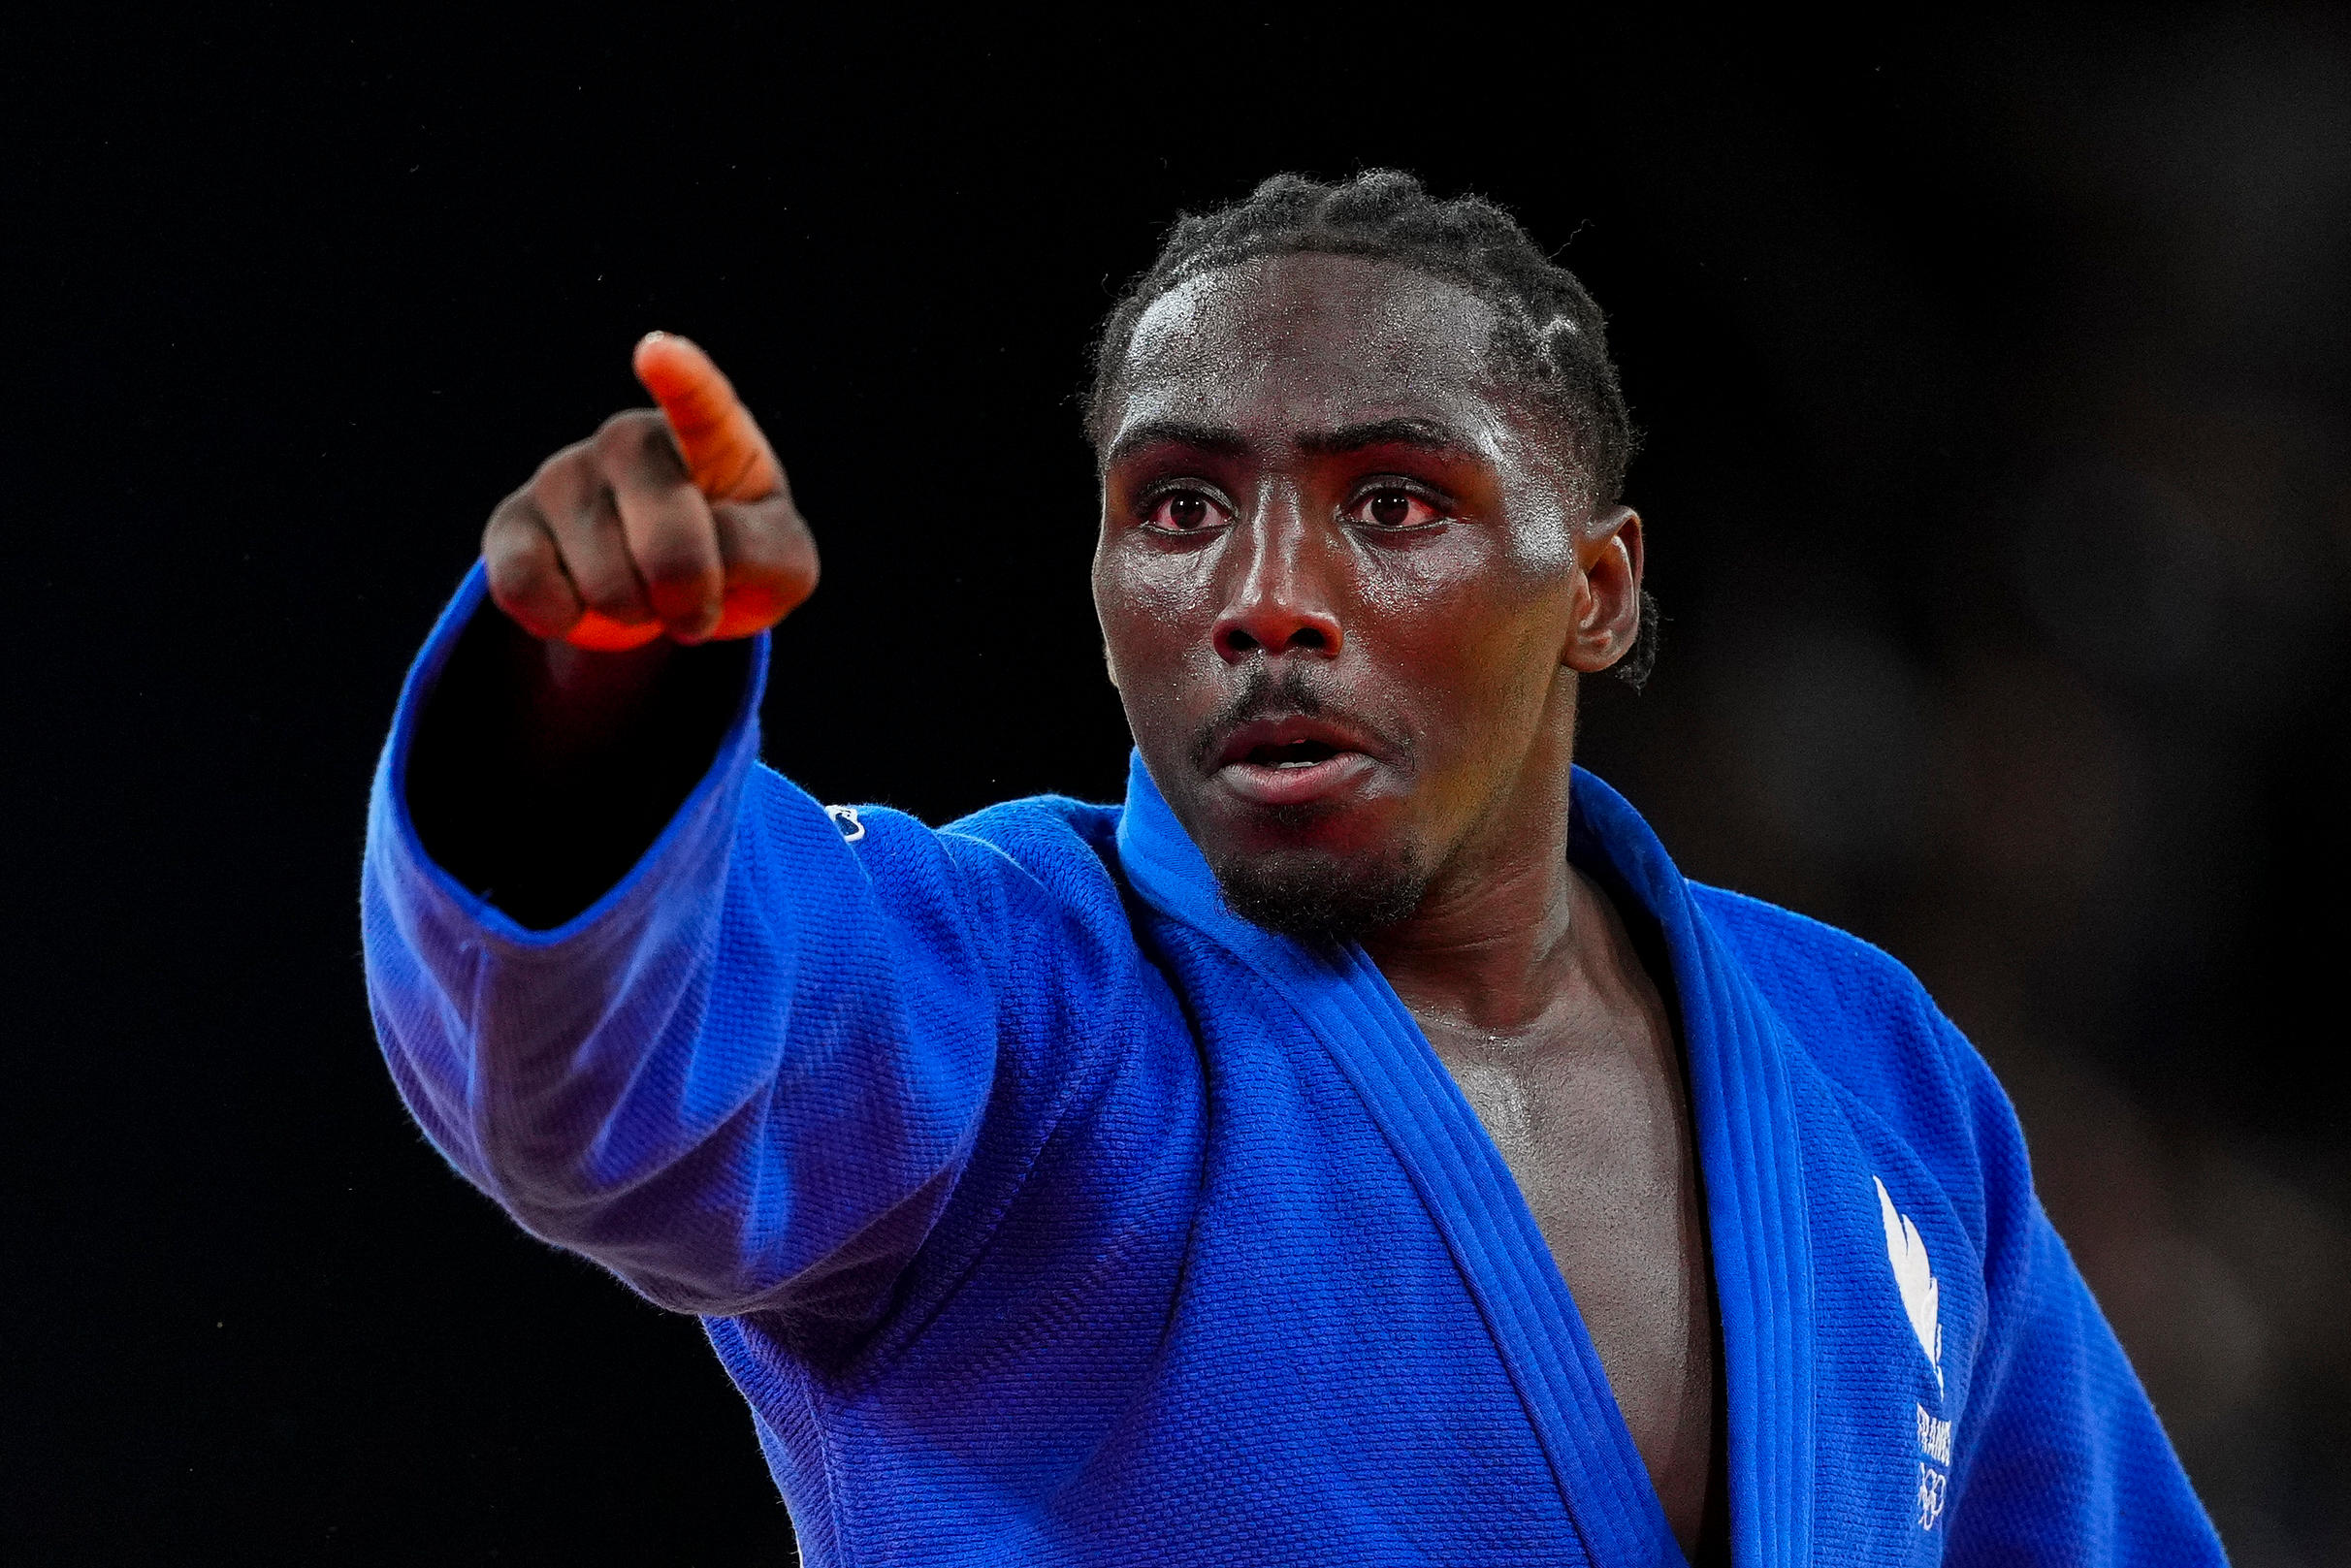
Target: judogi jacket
1047, 1212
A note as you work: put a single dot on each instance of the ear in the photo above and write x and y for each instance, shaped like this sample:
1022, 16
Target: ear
1109, 665
1607, 607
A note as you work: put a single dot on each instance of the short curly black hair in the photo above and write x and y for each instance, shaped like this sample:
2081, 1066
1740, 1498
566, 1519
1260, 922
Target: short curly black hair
1551, 335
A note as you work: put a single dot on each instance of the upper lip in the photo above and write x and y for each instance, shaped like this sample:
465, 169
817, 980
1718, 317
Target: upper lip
1288, 730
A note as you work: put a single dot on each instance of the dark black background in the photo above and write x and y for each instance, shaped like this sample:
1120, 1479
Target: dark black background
2007, 362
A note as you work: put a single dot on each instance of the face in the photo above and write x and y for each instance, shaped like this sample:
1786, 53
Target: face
1346, 577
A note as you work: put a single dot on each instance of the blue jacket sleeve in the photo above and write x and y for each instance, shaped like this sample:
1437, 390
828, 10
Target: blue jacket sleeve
751, 1068
2059, 1458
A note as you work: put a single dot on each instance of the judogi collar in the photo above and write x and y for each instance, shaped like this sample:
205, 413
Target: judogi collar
1745, 1119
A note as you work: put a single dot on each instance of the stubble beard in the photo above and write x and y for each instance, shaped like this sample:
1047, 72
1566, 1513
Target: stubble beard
1318, 898
1306, 893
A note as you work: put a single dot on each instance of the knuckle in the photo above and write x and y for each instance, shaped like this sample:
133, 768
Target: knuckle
636, 442
515, 537
560, 480
508, 519
678, 566
605, 580
612, 593
572, 457
532, 598
512, 574
627, 426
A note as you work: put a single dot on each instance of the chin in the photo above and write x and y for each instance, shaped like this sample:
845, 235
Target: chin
1319, 895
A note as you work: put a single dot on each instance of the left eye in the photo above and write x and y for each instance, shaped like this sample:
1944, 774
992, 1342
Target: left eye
1393, 508
1183, 511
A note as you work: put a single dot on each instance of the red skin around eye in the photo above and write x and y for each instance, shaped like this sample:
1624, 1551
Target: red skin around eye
1166, 510
1416, 510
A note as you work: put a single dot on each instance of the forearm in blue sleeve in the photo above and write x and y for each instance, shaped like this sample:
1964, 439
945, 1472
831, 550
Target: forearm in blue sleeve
749, 1068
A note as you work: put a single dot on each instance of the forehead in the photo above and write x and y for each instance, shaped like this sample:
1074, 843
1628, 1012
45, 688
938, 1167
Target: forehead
1310, 341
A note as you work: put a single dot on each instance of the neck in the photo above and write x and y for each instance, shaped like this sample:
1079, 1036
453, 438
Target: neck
1489, 948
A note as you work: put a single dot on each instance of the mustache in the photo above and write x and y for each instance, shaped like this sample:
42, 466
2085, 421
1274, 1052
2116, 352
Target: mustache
1267, 695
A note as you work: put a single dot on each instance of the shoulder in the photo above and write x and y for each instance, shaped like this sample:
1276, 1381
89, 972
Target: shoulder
1045, 830
1042, 835
1066, 848
1868, 1025
1028, 890
1043, 861
1842, 994
1016, 857
1046, 867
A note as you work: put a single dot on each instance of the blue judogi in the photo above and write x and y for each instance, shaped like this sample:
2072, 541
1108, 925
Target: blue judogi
1047, 1212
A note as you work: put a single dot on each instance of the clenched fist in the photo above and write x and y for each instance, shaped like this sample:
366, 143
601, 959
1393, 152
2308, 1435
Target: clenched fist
674, 521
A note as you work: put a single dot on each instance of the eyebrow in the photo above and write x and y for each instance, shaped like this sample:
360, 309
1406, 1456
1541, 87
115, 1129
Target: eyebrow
1177, 432
1425, 434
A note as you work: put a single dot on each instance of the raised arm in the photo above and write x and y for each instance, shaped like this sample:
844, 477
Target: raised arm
643, 993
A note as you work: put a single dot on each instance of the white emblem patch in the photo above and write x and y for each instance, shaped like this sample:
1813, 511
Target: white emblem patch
1921, 1303
1933, 1484
845, 818
1921, 1294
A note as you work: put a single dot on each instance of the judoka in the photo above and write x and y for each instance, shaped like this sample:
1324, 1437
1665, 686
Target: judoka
1361, 1145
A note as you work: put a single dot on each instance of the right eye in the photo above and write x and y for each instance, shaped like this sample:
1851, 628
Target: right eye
1182, 511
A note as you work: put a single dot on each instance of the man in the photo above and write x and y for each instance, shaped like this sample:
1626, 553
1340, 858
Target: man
1363, 1146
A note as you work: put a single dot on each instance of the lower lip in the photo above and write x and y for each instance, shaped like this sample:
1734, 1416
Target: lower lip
1263, 786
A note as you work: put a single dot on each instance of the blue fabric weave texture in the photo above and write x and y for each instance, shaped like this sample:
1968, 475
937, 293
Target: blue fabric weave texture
1044, 1212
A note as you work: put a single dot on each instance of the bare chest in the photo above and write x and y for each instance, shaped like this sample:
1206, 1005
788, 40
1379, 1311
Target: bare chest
1598, 1134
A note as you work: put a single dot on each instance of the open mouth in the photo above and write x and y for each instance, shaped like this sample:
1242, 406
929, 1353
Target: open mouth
1290, 754
1292, 760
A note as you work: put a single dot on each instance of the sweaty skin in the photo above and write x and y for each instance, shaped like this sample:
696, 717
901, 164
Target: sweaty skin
1310, 474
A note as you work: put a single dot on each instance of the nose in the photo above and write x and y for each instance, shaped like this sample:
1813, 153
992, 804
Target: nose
1280, 598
